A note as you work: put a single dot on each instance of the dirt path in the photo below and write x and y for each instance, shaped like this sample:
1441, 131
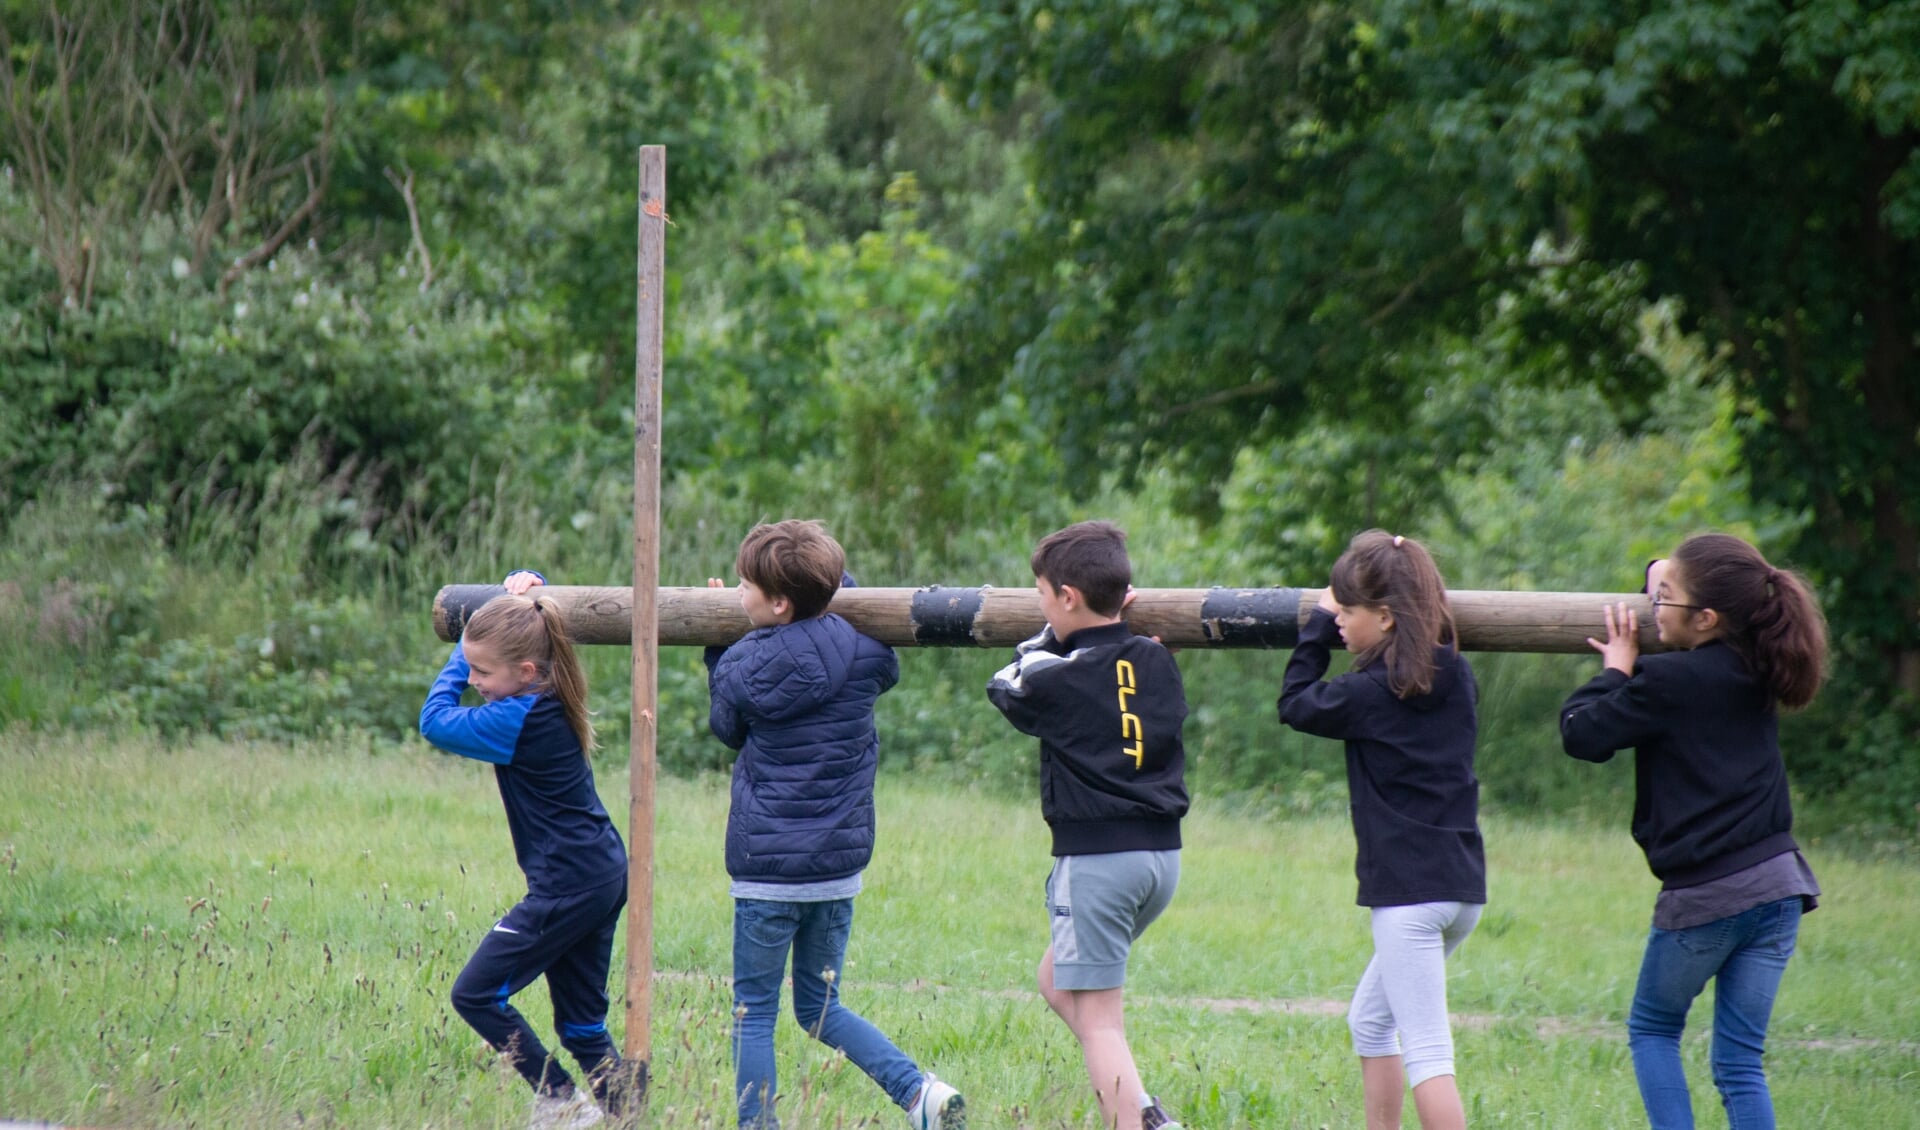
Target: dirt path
1545, 1027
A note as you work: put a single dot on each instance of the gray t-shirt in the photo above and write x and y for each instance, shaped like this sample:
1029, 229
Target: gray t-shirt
1783, 876
829, 890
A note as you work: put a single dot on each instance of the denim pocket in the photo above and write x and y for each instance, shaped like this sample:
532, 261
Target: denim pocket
1706, 939
1779, 928
768, 923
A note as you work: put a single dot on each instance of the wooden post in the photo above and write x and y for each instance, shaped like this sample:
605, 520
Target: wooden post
648, 361
1206, 619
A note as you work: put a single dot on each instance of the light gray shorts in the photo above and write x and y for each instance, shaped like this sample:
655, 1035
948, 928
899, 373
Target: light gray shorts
1098, 904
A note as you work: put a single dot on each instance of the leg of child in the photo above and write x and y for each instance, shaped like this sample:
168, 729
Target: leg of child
1383, 1084
1412, 944
577, 980
762, 933
819, 953
1743, 995
1097, 907
1672, 973
1437, 1101
1097, 1020
509, 959
1383, 1081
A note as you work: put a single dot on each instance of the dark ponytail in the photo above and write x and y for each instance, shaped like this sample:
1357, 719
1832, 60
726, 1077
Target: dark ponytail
1379, 570
1770, 616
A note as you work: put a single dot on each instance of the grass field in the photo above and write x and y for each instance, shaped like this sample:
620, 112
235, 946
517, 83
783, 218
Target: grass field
251, 936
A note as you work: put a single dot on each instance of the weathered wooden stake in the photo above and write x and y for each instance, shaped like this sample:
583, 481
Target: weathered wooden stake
649, 331
1546, 622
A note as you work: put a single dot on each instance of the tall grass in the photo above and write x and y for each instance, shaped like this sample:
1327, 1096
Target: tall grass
246, 935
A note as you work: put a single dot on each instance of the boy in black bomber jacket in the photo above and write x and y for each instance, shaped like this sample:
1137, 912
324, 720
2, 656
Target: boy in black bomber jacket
1107, 706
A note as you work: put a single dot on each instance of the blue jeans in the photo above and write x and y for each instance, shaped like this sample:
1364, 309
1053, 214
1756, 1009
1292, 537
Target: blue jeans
1745, 956
816, 932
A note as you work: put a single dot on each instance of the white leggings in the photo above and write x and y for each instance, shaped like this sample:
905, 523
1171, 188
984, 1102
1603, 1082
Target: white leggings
1400, 1005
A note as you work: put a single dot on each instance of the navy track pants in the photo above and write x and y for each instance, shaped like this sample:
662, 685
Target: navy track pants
569, 940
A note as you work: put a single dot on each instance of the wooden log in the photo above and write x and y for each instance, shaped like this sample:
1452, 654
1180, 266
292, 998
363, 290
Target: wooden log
1541, 622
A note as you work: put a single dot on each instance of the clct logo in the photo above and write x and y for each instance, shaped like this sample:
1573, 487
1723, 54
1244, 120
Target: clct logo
1129, 721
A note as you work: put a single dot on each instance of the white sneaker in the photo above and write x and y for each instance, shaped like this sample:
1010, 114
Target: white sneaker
1153, 1116
939, 1107
564, 1112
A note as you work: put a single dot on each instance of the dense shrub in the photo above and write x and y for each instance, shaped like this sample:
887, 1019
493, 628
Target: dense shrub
315, 668
164, 381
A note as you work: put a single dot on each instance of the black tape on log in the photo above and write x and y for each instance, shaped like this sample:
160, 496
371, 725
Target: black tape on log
460, 602
1251, 617
943, 617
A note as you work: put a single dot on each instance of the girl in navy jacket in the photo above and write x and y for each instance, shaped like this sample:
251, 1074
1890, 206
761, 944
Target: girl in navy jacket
1407, 714
1711, 808
534, 730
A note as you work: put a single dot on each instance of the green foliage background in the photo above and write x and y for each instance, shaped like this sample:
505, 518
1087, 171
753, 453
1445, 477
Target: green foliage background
1247, 277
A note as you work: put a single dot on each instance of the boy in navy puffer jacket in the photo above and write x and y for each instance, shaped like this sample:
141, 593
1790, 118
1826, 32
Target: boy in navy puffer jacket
795, 696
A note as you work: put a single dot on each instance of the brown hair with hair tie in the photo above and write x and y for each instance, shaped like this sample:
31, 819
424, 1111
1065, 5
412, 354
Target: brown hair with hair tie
1382, 570
1770, 617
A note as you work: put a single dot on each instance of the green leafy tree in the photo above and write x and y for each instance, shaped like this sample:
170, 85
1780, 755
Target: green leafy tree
1251, 217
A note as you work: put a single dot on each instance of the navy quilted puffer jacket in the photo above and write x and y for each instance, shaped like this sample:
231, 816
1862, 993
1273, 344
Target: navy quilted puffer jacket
797, 701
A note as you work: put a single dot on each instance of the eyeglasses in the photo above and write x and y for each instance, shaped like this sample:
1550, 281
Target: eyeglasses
1660, 602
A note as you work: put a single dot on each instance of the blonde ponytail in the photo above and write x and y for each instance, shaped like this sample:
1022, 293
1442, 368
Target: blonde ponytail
566, 677
523, 629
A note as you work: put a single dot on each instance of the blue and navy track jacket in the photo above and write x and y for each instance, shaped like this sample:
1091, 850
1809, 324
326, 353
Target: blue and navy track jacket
562, 836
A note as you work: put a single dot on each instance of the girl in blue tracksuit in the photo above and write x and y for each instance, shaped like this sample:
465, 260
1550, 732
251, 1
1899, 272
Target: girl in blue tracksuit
534, 729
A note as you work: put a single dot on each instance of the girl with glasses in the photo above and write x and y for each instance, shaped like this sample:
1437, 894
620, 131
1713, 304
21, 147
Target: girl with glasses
1711, 809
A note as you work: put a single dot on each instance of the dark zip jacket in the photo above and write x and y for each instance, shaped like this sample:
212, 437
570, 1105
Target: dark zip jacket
797, 701
1414, 799
1108, 707
1709, 785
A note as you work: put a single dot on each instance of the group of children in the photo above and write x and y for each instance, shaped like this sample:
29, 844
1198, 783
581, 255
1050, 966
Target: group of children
795, 697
